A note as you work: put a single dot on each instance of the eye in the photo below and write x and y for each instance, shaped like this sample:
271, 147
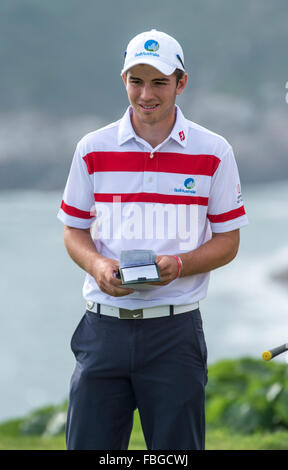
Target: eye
159, 83
135, 81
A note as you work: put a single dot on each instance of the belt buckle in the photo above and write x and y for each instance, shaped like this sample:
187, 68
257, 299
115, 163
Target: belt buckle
124, 313
90, 304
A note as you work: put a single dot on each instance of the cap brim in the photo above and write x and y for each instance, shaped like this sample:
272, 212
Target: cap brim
157, 64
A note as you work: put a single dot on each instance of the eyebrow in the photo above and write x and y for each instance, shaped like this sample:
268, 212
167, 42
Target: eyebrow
164, 80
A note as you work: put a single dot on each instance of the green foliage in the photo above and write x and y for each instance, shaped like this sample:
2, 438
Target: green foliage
244, 397
36, 422
247, 395
224, 439
47, 421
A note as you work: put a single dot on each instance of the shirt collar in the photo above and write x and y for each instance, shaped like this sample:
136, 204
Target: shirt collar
125, 130
179, 132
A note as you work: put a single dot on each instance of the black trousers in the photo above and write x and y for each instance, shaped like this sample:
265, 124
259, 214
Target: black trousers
157, 365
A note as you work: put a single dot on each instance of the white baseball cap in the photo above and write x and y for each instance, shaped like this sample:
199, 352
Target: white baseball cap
156, 49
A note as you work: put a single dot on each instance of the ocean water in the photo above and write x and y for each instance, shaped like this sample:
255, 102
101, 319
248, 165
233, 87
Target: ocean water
245, 312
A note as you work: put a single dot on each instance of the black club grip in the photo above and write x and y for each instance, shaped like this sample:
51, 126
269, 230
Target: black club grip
267, 355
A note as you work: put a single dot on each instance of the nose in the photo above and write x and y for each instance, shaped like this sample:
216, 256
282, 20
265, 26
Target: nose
146, 92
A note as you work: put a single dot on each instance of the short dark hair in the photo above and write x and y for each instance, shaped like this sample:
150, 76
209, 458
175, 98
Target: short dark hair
179, 74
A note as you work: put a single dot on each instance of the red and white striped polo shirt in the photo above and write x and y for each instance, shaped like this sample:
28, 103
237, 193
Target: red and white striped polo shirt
169, 198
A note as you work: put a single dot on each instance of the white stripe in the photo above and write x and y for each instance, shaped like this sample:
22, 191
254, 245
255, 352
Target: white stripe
114, 182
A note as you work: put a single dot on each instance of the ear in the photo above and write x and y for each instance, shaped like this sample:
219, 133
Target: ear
124, 78
181, 84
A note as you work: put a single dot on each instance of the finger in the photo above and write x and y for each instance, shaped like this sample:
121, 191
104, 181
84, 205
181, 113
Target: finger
163, 279
115, 288
114, 281
165, 272
116, 291
161, 260
162, 283
165, 263
121, 291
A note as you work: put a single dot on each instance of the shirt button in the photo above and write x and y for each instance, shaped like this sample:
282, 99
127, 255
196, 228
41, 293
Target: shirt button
151, 155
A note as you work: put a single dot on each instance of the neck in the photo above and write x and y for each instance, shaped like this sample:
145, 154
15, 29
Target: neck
153, 133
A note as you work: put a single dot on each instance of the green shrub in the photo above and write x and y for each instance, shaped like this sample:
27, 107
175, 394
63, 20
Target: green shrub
247, 395
242, 395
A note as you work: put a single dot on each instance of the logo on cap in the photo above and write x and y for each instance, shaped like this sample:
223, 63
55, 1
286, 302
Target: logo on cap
151, 45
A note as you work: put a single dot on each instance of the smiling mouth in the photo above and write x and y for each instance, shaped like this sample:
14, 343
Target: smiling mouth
148, 107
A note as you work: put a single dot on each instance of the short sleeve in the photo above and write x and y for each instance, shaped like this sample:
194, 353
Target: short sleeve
226, 210
78, 205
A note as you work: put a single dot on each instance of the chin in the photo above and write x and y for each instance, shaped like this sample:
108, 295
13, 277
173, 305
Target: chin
149, 117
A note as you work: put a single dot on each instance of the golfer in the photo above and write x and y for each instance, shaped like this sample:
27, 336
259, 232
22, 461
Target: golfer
153, 180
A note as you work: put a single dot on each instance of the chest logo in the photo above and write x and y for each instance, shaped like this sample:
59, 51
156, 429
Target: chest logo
189, 183
182, 136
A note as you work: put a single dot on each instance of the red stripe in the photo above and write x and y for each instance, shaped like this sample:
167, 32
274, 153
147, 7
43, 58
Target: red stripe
70, 210
191, 164
151, 197
140, 161
227, 215
115, 161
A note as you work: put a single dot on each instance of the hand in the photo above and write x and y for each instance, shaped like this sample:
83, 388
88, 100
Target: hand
168, 268
104, 271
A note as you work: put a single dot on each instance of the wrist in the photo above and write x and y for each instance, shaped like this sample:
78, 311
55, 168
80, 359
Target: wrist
94, 264
180, 265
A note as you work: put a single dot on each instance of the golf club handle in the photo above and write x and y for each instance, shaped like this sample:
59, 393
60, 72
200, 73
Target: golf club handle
267, 355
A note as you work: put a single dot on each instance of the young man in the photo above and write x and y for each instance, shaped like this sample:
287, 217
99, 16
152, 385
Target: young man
152, 180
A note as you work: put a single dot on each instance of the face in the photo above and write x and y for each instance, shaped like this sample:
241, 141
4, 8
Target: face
152, 94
